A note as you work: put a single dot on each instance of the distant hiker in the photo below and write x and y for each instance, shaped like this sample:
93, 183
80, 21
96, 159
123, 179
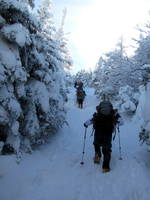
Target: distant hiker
103, 124
75, 84
80, 97
80, 85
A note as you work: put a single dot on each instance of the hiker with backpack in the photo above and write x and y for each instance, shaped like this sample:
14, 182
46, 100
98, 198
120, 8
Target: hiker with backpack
80, 97
80, 85
75, 84
103, 124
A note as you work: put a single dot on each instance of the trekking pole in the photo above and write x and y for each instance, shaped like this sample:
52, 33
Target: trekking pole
92, 132
82, 162
120, 157
114, 134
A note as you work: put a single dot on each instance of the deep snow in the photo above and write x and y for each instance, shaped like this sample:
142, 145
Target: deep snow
53, 172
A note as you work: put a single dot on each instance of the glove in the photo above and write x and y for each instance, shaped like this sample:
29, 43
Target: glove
95, 114
85, 125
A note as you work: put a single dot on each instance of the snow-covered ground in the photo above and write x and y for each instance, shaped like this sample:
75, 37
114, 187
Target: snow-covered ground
53, 172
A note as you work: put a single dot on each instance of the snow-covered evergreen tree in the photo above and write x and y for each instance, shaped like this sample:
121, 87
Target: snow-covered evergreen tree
114, 70
62, 43
142, 61
31, 82
62, 47
143, 114
30, 2
142, 58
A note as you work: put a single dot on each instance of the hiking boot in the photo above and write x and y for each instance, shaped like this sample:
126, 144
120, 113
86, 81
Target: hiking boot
105, 170
97, 159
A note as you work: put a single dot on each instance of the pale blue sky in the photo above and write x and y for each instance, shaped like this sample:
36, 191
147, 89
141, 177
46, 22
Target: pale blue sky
96, 25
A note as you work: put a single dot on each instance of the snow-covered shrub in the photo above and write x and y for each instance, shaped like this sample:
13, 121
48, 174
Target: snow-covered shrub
144, 135
145, 73
143, 113
128, 107
138, 117
126, 100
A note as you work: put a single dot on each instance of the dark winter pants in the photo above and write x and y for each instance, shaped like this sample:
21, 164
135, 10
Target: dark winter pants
106, 150
80, 103
104, 144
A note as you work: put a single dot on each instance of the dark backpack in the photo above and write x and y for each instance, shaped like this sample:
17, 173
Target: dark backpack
80, 94
104, 118
105, 108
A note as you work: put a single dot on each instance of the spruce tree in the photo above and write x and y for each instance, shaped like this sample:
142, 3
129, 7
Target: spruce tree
31, 92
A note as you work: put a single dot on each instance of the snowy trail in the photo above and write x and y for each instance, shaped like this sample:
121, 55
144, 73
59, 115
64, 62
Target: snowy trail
54, 172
